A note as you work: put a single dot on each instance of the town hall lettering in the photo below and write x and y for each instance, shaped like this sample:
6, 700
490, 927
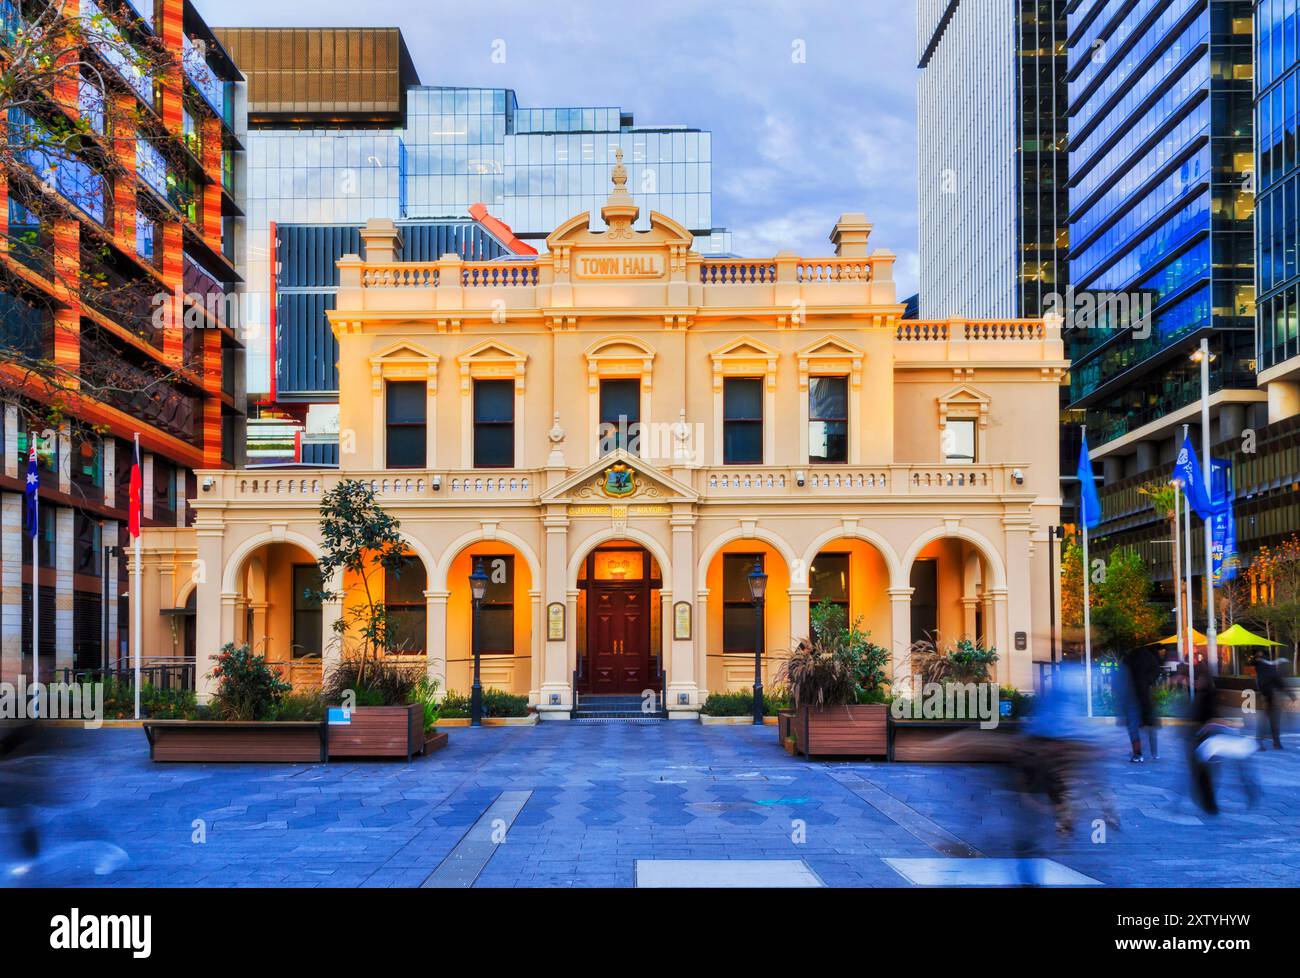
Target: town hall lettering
620, 266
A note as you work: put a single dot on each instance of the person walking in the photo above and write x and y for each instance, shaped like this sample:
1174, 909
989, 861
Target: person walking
1272, 687
1142, 666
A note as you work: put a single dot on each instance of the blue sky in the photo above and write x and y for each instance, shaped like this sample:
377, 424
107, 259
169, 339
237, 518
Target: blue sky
794, 144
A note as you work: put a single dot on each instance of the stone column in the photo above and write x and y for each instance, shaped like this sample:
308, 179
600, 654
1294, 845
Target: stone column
64, 518
536, 643
214, 622
331, 610
259, 640
684, 680
969, 605
435, 640
1016, 667
900, 620
1002, 636
800, 608
556, 671
700, 635
11, 584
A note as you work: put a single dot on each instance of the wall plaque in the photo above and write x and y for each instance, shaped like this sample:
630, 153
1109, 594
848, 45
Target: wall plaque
682, 621
555, 622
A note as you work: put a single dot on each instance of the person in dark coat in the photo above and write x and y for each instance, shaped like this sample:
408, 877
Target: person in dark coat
1272, 687
1143, 668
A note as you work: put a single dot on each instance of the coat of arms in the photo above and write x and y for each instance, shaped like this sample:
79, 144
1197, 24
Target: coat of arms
620, 481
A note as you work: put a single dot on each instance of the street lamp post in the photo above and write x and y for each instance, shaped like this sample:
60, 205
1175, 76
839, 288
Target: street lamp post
757, 587
1203, 357
478, 582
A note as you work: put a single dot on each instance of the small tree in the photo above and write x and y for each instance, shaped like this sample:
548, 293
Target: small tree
1274, 579
363, 542
1072, 586
1124, 616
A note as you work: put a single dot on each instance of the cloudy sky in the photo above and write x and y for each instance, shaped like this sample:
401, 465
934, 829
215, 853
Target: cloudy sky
811, 102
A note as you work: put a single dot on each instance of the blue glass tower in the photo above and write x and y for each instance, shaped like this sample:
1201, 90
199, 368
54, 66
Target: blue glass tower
1277, 109
1161, 205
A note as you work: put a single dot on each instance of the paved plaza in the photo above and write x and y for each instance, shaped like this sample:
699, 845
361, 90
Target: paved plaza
612, 805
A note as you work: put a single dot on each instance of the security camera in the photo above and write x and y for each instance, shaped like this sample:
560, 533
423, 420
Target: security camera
1019, 476
799, 478
208, 483
437, 483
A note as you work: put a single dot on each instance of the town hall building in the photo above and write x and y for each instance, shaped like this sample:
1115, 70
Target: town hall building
622, 430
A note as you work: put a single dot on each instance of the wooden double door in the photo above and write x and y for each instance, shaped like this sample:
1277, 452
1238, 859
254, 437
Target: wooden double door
619, 660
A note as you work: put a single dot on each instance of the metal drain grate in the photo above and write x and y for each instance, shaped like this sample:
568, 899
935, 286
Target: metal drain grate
637, 720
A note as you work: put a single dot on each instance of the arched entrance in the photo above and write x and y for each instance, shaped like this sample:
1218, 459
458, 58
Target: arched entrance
619, 621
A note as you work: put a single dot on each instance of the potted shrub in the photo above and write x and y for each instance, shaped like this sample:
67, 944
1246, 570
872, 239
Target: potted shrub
425, 694
376, 711
836, 683
375, 715
253, 717
952, 705
737, 706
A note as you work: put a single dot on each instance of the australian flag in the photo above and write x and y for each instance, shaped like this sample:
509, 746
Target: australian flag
33, 487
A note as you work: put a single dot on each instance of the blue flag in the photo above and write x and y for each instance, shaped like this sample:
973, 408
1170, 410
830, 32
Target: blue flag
1224, 539
33, 487
1187, 470
1089, 504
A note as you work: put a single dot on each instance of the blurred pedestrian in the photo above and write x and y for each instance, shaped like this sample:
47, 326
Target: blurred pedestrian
1272, 687
1141, 670
1216, 743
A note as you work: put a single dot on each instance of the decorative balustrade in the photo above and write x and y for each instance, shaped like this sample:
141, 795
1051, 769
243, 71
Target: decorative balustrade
499, 275
470, 486
392, 486
891, 480
982, 331
833, 270
399, 275
730, 272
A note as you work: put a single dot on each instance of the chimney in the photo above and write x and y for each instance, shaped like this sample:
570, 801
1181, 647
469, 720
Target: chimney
850, 236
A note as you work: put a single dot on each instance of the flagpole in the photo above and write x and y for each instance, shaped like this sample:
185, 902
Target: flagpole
1187, 566
1087, 609
1178, 574
1211, 631
137, 616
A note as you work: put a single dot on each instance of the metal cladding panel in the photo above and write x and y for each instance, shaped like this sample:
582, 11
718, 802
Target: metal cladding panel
306, 366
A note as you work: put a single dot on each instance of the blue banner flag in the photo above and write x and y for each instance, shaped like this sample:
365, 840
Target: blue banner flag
1187, 471
1224, 533
33, 487
1089, 503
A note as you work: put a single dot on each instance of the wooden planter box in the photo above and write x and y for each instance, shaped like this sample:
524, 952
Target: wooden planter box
434, 741
785, 725
932, 741
379, 731
855, 730
230, 741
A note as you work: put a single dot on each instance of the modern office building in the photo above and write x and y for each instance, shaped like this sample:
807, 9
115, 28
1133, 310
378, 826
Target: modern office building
622, 429
992, 160
341, 131
1161, 204
139, 217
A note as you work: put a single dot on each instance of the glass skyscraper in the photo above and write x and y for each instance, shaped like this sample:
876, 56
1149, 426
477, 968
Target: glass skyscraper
992, 161
533, 168
1161, 204
1277, 109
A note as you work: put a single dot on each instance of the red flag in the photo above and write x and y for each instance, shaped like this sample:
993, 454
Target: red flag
137, 484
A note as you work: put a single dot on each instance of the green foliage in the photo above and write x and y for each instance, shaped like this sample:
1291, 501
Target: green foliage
965, 662
364, 543
382, 682
740, 703
299, 706
1124, 616
155, 703
838, 666
425, 692
496, 703
247, 688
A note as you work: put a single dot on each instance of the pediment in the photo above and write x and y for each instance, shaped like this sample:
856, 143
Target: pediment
492, 350
404, 350
745, 348
965, 401
830, 347
576, 232
620, 477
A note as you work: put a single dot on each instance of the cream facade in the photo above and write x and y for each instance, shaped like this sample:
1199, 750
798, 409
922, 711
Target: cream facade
777, 410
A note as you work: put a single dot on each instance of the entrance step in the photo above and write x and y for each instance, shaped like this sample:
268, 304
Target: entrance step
613, 707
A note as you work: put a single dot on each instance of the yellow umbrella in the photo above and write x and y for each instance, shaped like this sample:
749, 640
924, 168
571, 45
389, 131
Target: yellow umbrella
1236, 635
1197, 639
